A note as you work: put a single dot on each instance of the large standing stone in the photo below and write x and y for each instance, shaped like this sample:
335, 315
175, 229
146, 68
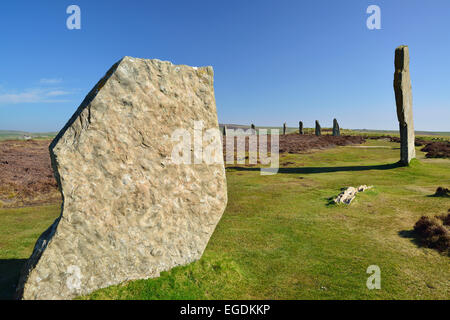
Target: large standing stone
284, 128
128, 211
300, 127
318, 128
403, 98
336, 129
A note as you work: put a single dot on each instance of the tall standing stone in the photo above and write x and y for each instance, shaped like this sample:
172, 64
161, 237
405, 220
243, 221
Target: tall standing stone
253, 129
318, 128
284, 128
129, 210
336, 129
403, 99
300, 127
224, 129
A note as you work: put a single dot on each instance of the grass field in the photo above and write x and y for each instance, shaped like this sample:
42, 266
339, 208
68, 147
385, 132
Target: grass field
19, 230
281, 238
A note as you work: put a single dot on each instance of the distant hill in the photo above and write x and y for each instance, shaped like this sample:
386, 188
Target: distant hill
424, 133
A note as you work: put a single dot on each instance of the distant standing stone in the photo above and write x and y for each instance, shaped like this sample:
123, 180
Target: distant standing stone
318, 128
336, 129
300, 127
403, 98
253, 128
284, 128
224, 130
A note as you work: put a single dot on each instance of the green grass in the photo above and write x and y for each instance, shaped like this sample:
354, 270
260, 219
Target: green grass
280, 238
19, 230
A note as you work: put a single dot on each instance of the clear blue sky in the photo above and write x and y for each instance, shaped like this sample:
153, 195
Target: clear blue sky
274, 61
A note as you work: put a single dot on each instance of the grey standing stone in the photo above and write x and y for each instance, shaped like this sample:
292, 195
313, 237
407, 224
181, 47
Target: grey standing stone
129, 211
336, 129
318, 128
225, 130
284, 128
403, 99
300, 127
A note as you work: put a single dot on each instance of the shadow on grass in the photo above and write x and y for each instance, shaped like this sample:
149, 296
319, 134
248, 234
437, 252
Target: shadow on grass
330, 202
9, 276
441, 192
309, 170
412, 236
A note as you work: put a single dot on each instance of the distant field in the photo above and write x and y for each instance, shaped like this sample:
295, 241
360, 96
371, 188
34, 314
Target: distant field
326, 130
21, 135
395, 132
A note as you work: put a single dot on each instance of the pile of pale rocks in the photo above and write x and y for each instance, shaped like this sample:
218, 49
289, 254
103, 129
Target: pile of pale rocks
348, 194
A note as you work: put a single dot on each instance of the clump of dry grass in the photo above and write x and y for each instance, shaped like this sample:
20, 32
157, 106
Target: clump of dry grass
435, 232
445, 218
437, 149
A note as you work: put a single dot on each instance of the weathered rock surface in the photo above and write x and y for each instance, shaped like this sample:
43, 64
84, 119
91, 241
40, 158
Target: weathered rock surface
336, 129
403, 99
318, 128
129, 212
347, 195
300, 127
